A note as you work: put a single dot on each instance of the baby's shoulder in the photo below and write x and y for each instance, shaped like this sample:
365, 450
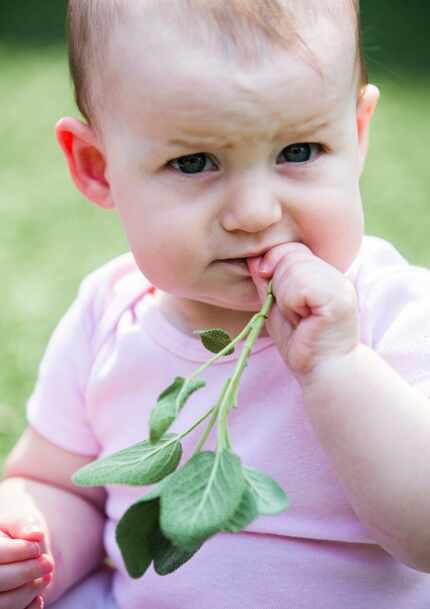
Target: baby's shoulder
394, 305
376, 256
117, 277
113, 288
388, 286
381, 267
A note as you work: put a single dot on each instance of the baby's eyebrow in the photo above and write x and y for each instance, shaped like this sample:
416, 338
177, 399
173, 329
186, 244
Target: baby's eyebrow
303, 129
205, 141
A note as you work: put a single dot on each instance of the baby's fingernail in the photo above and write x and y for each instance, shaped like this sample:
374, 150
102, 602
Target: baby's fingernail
264, 268
42, 582
45, 564
34, 549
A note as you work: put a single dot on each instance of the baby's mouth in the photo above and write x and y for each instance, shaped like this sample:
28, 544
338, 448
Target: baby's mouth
236, 262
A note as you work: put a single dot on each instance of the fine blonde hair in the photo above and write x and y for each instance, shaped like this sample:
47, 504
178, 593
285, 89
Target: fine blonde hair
237, 25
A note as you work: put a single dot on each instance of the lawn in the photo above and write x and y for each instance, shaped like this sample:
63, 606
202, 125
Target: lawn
51, 237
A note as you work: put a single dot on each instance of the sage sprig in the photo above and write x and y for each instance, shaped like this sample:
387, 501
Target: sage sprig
210, 493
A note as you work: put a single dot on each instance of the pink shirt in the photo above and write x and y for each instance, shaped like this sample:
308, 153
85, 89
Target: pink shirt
114, 352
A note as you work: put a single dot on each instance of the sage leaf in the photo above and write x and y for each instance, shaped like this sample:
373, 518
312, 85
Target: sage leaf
133, 535
142, 463
215, 340
269, 496
167, 557
169, 404
201, 497
135, 530
246, 512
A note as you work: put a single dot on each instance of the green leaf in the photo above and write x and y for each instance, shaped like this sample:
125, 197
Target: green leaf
270, 497
200, 498
169, 404
142, 463
215, 340
167, 557
133, 534
246, 512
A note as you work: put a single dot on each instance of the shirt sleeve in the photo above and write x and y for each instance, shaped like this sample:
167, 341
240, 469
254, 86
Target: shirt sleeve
396, 321
57, 406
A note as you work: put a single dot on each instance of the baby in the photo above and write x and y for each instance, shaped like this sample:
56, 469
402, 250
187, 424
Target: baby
230, 136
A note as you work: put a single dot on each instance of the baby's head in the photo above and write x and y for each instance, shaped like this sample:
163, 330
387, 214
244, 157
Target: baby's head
219, 129
243, 29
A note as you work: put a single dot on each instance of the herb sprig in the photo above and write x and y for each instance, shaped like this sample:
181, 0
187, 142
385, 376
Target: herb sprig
210, 493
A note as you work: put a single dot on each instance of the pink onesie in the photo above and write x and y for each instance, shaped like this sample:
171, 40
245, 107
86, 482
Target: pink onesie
109, 359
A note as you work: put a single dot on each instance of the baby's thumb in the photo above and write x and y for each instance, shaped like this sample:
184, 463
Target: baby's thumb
260, 283
23, 528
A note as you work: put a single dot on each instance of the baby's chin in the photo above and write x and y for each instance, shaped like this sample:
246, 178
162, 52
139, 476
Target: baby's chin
238, 294
232, 315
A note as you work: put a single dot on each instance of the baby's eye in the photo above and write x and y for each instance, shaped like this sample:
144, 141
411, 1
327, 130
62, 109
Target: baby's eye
301, 153
191, 163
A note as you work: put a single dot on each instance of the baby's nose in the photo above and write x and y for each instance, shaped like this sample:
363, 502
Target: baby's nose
252, 209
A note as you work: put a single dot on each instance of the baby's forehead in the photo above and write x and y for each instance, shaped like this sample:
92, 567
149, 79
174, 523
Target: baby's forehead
156, 65
191, 109
102, 33
186, 63
246, 29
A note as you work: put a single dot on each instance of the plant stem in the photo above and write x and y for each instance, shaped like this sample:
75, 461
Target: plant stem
212, 421
178, 438
196, 424
256, 323
220, 354
205, 435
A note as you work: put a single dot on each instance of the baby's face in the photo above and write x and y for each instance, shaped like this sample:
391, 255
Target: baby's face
209, 160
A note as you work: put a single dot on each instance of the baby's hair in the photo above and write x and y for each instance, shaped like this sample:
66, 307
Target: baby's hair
238, 26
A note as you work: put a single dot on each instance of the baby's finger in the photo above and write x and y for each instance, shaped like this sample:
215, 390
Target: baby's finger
19, 573
288, 252
25, 596
260, 283
14, 550
38, 603
23, 529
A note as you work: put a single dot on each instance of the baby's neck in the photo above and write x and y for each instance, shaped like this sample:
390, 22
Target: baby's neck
187, 316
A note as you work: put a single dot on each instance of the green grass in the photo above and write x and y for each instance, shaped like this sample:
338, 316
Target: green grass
51, 237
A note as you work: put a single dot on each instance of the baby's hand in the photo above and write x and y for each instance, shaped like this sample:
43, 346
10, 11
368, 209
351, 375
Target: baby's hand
315, 314
25, 571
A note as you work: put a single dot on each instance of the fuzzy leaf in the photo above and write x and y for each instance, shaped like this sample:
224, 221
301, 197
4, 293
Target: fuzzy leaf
133, 534
167, 557
135, 530
200, 498
246, 512
142, 463
169, 404
215, 340
269, 496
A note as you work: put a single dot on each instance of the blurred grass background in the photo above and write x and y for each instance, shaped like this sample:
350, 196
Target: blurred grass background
51, 237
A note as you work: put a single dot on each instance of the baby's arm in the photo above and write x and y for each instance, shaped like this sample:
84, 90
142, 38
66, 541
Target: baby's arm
370, 421
376, 429
37, 485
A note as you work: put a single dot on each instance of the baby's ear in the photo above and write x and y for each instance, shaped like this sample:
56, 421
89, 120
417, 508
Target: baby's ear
87, 164
366, 105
